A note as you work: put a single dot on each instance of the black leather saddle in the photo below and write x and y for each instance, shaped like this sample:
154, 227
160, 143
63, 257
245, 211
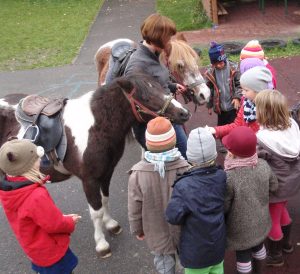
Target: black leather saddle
41, 120
121, 53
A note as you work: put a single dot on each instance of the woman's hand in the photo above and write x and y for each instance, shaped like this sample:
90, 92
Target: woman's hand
180, 88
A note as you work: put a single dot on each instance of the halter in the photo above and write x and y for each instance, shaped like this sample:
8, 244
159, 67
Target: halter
138, 109
177, 79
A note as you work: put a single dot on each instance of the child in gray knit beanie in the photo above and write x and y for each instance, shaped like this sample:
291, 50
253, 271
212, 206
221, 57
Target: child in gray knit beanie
252, 82
197, 204
201, 147
257, 79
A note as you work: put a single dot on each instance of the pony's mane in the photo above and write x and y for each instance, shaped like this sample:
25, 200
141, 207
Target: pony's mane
180, 50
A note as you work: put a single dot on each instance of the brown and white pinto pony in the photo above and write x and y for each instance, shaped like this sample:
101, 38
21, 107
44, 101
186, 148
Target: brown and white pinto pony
94, 145
179, 57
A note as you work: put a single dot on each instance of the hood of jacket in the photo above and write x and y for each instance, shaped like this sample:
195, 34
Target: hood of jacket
285, 143
12, 200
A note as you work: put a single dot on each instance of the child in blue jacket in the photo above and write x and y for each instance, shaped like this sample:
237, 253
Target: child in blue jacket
197, 204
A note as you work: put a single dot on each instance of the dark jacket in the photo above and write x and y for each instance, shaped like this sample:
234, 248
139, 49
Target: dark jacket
234, 86
197, 204
145, 61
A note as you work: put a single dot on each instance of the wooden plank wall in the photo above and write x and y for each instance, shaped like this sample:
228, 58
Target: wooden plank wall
211, 8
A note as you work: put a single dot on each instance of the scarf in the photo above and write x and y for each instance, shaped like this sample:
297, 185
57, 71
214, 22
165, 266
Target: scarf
231, 163
249, 111
159, 159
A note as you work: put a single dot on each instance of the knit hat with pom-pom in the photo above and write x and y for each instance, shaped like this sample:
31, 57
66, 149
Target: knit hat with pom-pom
216, 53
252, 49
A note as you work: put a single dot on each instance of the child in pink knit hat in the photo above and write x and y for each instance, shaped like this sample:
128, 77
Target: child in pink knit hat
253, 49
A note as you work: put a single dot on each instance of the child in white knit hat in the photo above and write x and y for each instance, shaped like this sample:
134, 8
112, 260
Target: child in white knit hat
149, 190
197, 204
41, 229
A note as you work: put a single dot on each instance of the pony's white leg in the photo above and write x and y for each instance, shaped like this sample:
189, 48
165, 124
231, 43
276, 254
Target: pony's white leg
110, 224
102, 246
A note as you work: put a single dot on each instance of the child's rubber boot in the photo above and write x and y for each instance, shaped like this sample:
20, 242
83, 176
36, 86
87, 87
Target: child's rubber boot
274, 254
287, 244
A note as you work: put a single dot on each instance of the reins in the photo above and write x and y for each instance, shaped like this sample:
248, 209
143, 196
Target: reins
138, 109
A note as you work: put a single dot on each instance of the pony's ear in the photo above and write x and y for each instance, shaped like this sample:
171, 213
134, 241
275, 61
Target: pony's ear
180, 36
180, 65
124, 84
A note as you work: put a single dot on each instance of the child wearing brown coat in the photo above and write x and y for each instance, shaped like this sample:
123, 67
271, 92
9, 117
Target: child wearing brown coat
149, 190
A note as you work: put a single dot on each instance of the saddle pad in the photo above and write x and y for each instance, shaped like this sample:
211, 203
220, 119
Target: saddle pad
35, 104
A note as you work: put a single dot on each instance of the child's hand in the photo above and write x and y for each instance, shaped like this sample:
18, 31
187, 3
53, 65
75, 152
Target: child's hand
210, 129
75, 217
140, 237
236, 103
210, 111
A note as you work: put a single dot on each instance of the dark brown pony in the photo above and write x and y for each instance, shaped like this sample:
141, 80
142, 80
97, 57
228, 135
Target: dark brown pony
96, 126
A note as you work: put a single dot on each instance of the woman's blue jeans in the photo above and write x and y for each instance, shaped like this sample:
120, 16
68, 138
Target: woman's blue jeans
181, 138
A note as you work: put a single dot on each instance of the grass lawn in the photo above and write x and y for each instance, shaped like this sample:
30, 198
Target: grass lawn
43, 33
188, 14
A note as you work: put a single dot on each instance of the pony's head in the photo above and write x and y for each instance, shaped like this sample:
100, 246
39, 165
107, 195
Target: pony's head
149, 99
182, 62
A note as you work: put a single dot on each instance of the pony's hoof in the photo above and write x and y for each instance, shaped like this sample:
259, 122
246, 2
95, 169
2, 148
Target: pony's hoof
103, 254
115, 230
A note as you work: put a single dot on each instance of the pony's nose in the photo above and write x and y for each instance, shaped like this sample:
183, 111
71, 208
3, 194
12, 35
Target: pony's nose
185, 114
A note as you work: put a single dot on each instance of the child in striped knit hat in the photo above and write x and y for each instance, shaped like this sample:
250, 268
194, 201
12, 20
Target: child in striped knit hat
149, 189
253, 49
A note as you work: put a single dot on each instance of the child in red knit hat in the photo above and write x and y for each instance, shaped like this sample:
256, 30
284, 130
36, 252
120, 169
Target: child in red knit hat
149, 189
249, 181
41, 229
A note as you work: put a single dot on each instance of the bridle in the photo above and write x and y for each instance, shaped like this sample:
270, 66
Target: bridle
138, 108
189, 94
